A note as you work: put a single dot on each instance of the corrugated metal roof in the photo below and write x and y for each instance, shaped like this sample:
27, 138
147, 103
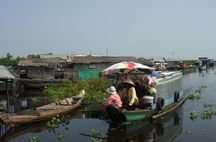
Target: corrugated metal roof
5, 73
52, 62
39, 62
100, 59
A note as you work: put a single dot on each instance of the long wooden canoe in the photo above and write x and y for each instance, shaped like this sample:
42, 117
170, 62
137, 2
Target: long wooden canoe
44, 112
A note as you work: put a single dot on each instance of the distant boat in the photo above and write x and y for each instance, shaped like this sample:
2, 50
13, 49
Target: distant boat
41, 83
43, 113
203, 67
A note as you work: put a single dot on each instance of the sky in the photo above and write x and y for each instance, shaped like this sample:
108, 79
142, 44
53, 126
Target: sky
183, 29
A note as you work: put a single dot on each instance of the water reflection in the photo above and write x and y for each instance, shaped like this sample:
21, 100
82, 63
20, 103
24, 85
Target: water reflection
165, 129
41, 129
29, 100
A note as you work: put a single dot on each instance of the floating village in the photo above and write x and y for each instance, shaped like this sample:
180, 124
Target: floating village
51, 90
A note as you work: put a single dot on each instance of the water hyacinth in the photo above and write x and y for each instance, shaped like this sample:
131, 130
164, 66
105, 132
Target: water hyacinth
34, 139
95, 90
207, 114
194, 96
193, 115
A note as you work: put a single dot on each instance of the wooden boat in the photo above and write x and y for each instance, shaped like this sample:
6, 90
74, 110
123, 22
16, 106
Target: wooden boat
44, 112
14, 132
41, 83
169, 96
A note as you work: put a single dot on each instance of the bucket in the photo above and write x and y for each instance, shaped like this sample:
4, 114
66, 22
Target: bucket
148, 100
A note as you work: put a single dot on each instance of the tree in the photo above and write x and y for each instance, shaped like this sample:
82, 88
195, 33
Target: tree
9, 60
32, 56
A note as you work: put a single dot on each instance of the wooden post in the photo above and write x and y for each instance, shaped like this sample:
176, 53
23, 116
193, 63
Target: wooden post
7, 91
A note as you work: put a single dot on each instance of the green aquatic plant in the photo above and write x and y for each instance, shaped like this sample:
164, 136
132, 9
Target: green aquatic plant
207, 114
203, 86
56, 93
193, 115
197, 94
96, 136
57, 120
95, 90
60, 136
34, 139
193, 97
209, 105
200, 89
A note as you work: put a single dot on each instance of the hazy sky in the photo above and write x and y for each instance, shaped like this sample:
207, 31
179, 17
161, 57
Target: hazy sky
142, 28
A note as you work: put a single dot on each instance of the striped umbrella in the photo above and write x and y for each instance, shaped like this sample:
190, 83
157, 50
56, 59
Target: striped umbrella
125, 67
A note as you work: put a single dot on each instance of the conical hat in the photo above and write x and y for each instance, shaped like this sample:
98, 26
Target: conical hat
128, 81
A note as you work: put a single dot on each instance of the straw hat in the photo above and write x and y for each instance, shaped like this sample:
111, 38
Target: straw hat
112, 90
128, 81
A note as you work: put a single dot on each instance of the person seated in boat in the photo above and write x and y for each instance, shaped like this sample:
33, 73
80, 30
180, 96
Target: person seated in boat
147, 97
114, 98
149, 80
128, 94
117, 82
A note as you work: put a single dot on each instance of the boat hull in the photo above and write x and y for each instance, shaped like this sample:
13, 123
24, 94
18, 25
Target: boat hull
41, 113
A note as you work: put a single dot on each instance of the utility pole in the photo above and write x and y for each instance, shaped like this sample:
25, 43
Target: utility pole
107, 52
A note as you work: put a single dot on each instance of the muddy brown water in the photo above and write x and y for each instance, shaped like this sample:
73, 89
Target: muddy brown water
176, 126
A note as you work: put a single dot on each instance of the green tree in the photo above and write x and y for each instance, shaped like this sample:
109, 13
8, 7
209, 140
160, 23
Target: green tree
9, 60
32, 56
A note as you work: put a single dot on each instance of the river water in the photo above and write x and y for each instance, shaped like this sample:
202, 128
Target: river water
176, 126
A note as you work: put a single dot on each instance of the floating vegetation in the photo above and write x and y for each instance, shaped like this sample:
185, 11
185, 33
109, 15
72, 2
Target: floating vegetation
200, 89
34, 139
209, 105
60, 136
193, 115
197, 93
207, 114
203, 86
194, 96
95, 89
55, 121
97, 136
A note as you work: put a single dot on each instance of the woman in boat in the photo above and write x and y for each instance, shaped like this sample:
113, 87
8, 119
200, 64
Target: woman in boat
114, 98
128, 94
147, 97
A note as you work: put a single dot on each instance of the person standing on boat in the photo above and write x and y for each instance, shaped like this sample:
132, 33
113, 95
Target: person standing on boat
128, 93
114, 98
